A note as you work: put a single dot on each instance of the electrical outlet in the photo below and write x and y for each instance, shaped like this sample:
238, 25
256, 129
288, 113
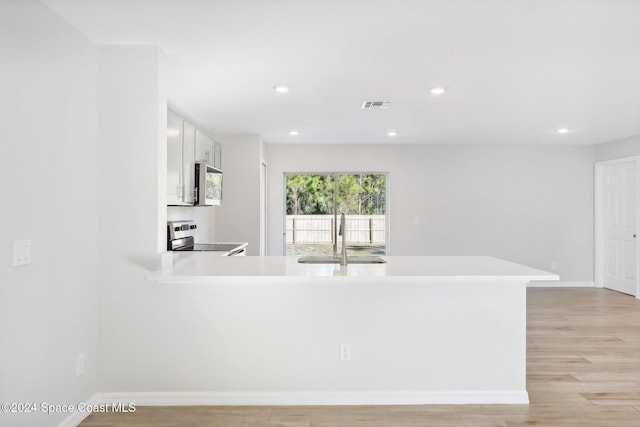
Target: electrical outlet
416, 220
21, 252
80, 364
554, 266
345, 351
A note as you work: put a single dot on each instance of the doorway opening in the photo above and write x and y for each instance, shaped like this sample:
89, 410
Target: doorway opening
313, 201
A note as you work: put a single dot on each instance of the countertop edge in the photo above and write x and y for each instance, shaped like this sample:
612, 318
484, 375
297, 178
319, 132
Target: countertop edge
160, 278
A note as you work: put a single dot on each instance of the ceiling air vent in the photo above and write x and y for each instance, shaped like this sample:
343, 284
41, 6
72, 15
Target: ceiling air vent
376, 105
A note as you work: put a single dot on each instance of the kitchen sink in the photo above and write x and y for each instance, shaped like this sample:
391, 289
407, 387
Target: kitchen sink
350, 260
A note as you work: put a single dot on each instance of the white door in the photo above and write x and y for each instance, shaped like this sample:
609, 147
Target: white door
620, 227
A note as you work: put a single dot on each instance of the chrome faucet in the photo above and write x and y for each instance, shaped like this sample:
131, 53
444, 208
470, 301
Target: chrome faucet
343, 232
334, 230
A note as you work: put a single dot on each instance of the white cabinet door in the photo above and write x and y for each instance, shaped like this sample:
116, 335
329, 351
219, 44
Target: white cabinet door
217, 155
174, 159
204, 148
188, 162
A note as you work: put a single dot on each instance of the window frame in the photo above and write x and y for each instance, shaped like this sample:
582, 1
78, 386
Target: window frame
387, 194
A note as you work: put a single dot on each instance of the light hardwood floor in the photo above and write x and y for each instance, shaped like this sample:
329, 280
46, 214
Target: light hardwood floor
583, 369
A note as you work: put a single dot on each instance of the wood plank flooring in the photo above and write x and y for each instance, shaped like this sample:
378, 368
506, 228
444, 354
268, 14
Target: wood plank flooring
583, 369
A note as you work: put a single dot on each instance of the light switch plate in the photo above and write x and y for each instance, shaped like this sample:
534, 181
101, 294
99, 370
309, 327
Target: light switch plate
21, 252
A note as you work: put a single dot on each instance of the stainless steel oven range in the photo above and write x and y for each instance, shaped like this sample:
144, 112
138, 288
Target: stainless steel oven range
181, 237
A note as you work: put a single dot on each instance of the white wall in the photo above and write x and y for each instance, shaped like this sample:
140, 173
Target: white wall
237, 219
48, 310
528, 204
618, 149
132, 137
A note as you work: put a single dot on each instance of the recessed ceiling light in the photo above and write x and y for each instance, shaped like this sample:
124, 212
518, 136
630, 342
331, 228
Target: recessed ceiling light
438, 90
293, 132
562, 131
392, 133
281, 89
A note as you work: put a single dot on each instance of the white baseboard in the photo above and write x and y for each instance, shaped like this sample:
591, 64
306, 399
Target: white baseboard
560, 284
77, 416
294, 398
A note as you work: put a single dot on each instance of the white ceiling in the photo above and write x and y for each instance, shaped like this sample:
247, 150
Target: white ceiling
515, 70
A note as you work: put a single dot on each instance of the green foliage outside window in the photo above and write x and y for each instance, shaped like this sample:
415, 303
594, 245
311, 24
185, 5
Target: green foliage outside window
355, 194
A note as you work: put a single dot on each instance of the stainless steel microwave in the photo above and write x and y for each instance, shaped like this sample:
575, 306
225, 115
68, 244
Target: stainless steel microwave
208, 185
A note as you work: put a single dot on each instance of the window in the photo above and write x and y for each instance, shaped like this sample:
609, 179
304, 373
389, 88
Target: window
313, 200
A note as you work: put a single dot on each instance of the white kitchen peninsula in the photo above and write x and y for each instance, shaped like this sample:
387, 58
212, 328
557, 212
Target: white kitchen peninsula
419, 330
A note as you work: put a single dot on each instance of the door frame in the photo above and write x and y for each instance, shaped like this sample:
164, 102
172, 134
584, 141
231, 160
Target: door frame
599, 219
264, 210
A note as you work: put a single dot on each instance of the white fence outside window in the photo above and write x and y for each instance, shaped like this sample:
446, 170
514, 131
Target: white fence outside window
318, 229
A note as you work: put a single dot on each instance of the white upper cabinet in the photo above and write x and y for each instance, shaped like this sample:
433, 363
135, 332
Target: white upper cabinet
189, 159
217, 155
204, 148
187, 145
208, 150
174, 160
180, 161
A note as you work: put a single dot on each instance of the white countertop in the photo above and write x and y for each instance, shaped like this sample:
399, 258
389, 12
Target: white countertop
202, 267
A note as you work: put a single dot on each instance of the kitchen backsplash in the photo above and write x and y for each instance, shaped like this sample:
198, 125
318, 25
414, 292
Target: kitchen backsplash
205, 218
